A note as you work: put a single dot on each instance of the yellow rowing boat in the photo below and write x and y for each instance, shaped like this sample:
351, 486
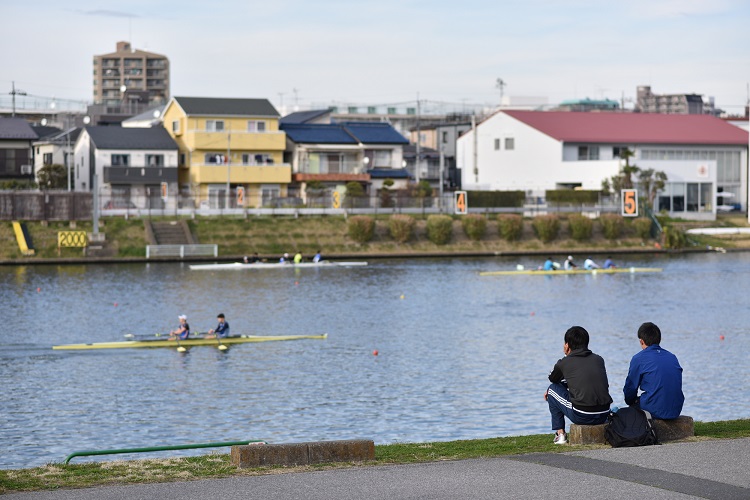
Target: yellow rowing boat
234, 339
539, 272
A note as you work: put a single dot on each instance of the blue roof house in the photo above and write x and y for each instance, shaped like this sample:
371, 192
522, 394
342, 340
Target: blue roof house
338, 153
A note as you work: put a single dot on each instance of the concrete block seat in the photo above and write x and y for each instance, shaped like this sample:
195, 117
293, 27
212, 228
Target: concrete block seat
291, 454
666, 430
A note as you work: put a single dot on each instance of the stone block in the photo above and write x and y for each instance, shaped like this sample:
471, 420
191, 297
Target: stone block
270, 454
353, 450
302, 453
666, 430
671, 430
587, 434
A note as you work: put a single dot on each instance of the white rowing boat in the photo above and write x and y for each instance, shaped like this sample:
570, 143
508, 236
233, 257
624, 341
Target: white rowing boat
236, 266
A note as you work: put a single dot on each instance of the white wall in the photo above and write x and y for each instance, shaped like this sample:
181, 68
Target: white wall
535, 164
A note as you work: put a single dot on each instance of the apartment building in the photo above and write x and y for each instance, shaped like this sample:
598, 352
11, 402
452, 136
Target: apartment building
131, 78
229, 142
678, 104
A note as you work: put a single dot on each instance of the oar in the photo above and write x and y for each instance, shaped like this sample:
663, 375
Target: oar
222, 347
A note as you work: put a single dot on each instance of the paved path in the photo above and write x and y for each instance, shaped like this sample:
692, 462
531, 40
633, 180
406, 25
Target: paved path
717, 469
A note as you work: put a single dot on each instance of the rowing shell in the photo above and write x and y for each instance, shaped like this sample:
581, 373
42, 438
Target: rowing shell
540, 272
235, 339
274, 265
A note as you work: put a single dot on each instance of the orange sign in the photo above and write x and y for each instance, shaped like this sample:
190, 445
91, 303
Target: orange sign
164, 191
240, 196
462, 202
629, 202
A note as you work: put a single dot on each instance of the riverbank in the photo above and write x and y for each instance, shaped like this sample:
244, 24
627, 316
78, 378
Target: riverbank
56, 476
271, 237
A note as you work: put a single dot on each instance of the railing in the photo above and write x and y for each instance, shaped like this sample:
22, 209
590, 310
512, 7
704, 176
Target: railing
345, 167
88, 453
181, 251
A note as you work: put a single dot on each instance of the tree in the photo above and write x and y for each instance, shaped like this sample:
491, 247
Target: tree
649, 181
52, 177
386, 200
354, 190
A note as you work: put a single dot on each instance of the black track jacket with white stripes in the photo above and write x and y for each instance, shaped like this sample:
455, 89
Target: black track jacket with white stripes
587, 381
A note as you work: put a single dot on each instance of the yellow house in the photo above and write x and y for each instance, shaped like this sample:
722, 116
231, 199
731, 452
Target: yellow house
233, 143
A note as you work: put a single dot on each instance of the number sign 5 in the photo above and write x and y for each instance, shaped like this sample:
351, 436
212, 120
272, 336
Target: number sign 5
630, 203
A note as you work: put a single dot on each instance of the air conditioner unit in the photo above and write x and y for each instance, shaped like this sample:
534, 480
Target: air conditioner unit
27, 170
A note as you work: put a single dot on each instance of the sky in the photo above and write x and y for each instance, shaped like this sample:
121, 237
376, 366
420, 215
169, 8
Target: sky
319, 52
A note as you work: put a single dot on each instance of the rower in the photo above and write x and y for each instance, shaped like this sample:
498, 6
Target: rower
183, 331
608, 264
589, 264
569, 264
222, 329
297, 258
550, 265
317, 257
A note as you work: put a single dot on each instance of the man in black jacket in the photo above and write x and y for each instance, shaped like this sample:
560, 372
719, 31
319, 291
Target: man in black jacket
579, 389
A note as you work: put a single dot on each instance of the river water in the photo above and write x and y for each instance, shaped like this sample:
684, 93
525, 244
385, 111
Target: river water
460, 356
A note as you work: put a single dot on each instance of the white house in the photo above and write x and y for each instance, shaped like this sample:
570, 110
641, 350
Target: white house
131, 165
535, 151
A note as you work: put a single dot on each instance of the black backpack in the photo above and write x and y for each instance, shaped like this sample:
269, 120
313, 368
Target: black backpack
630, 426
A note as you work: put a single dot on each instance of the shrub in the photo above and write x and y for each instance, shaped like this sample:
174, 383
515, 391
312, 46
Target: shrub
611, 225
571, 196
475, 226
642, 226
361, 228
546, 227
510, 226
439, 229
401, 227
674, 238
482, 199
580, 227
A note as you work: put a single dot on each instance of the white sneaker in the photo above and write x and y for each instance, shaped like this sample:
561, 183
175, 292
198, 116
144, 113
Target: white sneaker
561, 438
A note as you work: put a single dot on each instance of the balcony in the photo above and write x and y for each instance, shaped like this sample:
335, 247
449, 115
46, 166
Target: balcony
140, 175
252, 141
241, 174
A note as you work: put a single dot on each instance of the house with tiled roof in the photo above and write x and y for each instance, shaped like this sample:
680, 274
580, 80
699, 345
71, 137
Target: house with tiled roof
338, 153
16, 155
535, 151
55, 148
229, 142
134, 167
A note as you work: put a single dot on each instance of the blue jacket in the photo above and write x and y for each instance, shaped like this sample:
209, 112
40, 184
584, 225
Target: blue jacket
658, 374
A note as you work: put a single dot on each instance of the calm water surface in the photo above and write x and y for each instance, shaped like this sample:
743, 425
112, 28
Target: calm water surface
460, 356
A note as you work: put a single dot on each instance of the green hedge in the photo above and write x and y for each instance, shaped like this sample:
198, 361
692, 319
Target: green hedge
612, 225
439, 229
580, 227
576, 197
491, 199
510, 226
642, 226
546, 227
361, 228
401, 227
475, 226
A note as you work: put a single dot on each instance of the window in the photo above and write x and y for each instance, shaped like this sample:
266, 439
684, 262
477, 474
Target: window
182, 158
588, 152
411, 111
120, 160
176, 126
381, 158
445, 137
391, 111
214, 159
352, 110
269, 193
497, 144
372, 110
256, 126
47, 158
214, 125
510, 144
154, 160
257, 159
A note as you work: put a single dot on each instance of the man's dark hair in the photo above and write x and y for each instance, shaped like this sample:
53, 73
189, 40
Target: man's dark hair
577, 338
649, 333
220, 315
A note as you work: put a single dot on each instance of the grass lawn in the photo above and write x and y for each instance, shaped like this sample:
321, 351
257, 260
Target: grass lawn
57, 475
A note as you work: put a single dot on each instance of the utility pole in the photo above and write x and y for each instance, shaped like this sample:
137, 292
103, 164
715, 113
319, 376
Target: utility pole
229, 161
14, 93
476, 144
419, 140
500, 84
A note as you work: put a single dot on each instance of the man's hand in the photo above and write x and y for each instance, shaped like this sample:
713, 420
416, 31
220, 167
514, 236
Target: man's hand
545, 394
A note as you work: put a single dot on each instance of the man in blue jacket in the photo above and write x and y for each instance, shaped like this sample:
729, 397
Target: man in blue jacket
658, 374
